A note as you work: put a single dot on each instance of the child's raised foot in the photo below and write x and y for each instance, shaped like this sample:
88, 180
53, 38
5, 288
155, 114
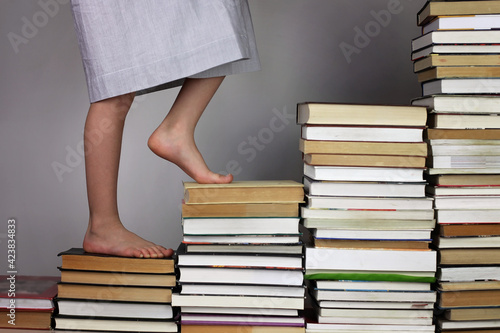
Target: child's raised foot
180, 149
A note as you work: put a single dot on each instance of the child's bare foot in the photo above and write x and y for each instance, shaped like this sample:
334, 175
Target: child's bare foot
117, 240
179, 148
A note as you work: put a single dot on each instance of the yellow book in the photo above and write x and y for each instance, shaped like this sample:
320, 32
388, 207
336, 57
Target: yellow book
272, 191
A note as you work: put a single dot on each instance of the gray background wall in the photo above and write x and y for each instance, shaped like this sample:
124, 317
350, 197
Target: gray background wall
311, 50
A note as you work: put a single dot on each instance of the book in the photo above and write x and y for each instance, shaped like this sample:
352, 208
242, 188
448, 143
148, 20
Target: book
31, 292
366, 202
361, 214
375, 296
472, 273
363, 275
455, 37
241, 210
494, 144
446, 324
240, 289
464, 180
372, 244
373, 224
455, 49
244, 192
239, 329
362, 328
249, 260
224, 226
376, 305
370, 285
463, 121
390, 161
92, 308
373, 174
382, 235
468, 256
473, 314
77, 259
114, 293
449, 216
279, 277
445, 60
463, 22
238, 301
370, 260
464, 202
197, 319
363, 147
433, 9
463, 191
465, 149
117, 278
239, 311
359, 114
465, 162
463, 134
468, 285
355, 189
362, 133
241, 239
461, 86
410, 320
123, 325
454, 230
245, 248
463, 171
443, 72
469, 298
26, 320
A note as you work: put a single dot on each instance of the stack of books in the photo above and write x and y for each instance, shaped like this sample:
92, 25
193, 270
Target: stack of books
457, 59
368, 264
241, 259
107, 293
27, 302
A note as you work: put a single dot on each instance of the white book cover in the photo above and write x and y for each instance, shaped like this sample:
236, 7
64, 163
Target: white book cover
473, 273
370, 260
363, 174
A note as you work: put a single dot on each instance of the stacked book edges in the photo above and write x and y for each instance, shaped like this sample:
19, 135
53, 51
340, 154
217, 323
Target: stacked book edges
457, 61
108, 293
369, 265
27, 302
241, 259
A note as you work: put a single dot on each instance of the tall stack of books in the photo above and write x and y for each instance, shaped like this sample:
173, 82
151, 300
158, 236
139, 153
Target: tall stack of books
241, 259
457, 60
107, 293
368, 265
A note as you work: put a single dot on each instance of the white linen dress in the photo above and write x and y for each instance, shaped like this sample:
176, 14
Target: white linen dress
148, 45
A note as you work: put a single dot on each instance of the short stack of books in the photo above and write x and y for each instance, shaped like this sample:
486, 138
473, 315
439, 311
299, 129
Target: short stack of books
241, 259
368, 264
457, 60
108, 293
27, 302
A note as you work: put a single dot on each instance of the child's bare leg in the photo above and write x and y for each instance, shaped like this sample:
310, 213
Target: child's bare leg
106, 234
173, 140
